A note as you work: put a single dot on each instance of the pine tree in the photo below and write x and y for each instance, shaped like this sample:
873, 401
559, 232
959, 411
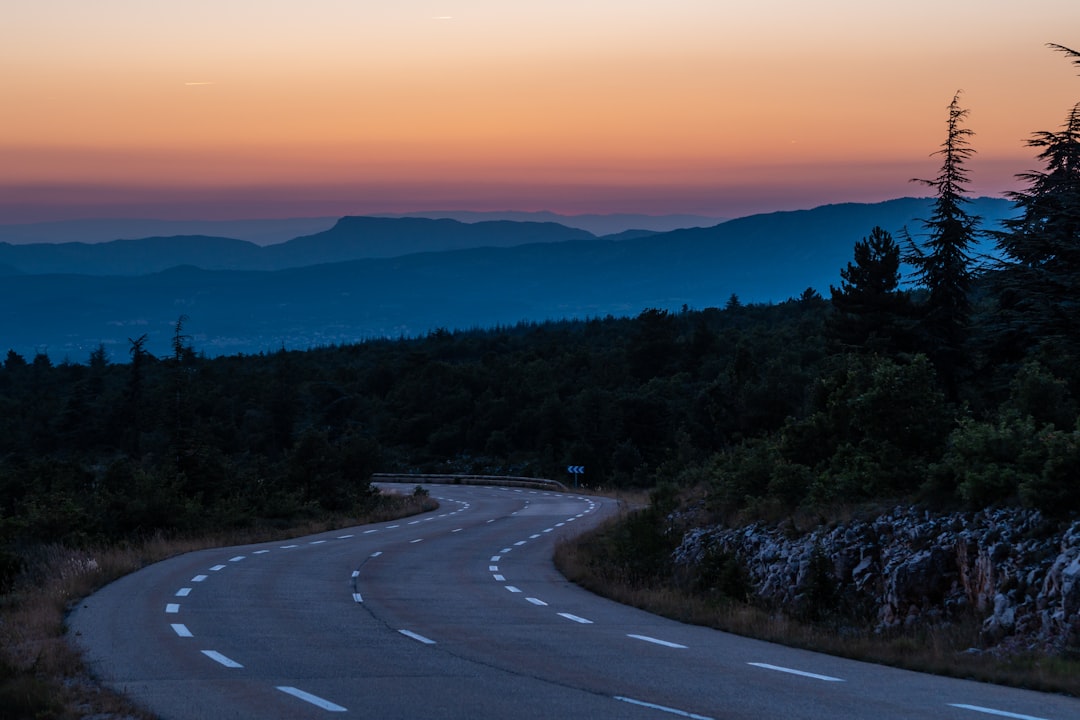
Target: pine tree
871, 311
944, 264
1039, 288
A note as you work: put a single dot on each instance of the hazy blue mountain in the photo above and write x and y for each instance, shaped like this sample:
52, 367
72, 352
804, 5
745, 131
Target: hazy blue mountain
766, 258
350, 238
379, 237
132, 257
595, 223
96, 230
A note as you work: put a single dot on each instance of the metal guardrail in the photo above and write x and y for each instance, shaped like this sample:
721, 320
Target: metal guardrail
540, 483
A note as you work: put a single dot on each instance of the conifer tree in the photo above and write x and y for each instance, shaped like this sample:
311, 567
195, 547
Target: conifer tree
1040, 286
944, 264
870, 309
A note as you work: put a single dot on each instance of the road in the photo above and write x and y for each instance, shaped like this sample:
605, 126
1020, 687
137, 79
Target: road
460, 613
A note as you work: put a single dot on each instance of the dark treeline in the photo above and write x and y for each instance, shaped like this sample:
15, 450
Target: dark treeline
957, 390
106, 449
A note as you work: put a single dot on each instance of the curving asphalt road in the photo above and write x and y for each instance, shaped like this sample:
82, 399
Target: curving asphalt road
459, 613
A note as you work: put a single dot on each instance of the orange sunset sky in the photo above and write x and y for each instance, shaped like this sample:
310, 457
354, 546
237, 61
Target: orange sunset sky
262, 108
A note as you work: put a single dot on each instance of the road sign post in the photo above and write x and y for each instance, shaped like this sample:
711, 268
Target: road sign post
576, 471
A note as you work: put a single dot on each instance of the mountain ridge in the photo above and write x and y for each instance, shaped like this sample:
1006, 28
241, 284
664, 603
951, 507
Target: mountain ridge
767, 259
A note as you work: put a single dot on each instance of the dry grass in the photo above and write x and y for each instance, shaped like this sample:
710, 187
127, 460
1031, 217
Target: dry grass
941, 649
42, 675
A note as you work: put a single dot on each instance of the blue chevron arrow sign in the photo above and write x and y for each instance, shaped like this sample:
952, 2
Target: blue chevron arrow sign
576, 469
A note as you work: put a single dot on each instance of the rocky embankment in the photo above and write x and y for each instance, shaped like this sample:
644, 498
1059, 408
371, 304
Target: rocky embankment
1018, 572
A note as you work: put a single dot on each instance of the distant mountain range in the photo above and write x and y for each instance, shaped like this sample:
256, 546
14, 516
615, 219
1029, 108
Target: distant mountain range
486, 274
351, 238
273, 231
596, 224
260, 232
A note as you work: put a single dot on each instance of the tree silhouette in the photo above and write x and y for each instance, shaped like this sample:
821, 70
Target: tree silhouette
1040, 285
871, 313
944, 264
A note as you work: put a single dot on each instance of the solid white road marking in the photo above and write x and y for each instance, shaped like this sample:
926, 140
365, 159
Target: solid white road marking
217, 567
655, 641
172, 608
183, 592
576, 619
991, 711
219, 658
662, 708
199, 578
511, 588
181, 630
418, 638
537, 601
826, 678
313, 699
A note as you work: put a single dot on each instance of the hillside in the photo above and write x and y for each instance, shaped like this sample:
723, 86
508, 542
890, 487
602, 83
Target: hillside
766, 258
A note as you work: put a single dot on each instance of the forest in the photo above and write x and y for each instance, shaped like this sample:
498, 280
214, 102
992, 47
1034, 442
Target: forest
954, 384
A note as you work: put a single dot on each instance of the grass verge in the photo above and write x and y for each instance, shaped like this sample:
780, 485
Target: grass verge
42, 675
596, 561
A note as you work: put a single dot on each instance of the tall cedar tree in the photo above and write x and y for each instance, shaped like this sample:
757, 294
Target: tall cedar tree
1040, 284
943, 265
870, 310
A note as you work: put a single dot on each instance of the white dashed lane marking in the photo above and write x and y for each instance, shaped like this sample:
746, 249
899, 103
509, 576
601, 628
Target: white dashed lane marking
575, 618
183, 592
790, 671
219, 658
997, 713
662, 708
313, 699
656, 641
181, 630
417, 637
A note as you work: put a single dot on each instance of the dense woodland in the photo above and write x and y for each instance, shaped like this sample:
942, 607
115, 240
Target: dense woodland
955, 385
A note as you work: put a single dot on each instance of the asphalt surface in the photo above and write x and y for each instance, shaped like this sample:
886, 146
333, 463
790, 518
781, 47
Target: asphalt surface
460, 613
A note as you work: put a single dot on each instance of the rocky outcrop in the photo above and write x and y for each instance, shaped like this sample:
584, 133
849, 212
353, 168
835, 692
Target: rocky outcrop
1016, 571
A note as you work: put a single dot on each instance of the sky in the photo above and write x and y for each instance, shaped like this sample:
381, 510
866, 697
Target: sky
218, 109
